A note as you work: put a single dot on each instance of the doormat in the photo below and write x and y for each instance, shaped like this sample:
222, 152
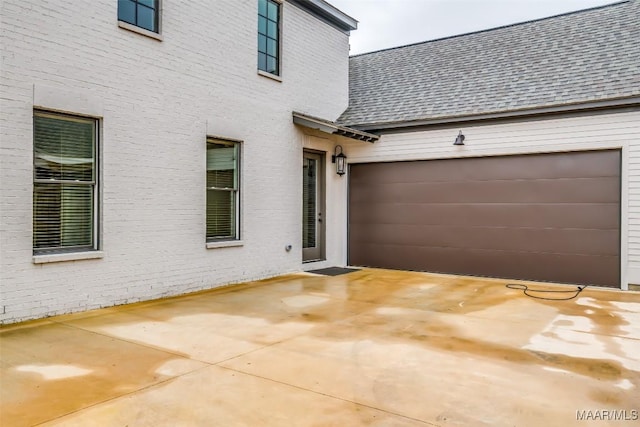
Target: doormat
333, 271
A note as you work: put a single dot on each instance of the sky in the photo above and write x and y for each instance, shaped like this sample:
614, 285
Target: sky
389, 23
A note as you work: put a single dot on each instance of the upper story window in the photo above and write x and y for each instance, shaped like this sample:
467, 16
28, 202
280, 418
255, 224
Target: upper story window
65, 190
269, 36
141, 13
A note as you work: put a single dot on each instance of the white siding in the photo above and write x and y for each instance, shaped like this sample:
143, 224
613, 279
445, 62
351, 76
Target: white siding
589, 132
158, 101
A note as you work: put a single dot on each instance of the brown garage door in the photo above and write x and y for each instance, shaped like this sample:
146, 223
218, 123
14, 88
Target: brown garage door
549, 217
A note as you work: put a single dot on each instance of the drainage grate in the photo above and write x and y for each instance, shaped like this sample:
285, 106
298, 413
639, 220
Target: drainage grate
333, 271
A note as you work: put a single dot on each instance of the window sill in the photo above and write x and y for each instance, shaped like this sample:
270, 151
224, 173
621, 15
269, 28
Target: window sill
136, 29
225, 244
73, 256
270, 76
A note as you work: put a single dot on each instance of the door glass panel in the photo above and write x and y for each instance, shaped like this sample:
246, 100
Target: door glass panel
309, 202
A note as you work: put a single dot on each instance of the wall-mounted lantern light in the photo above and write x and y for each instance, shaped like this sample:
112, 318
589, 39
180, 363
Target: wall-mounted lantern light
459, 139
340, 160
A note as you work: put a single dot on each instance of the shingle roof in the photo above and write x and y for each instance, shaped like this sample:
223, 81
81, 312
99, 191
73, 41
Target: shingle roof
584, 56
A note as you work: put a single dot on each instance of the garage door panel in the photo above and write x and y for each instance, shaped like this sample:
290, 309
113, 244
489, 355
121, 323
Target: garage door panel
591, 216
551, 240
573, 165
564, 190
552, 217
563, 268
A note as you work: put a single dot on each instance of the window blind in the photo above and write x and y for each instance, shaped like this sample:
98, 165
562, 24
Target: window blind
222, 190
64, 182
309, 203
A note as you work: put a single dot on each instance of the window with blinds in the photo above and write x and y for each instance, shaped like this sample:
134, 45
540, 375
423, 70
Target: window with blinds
223, 161
309, 202
64, 185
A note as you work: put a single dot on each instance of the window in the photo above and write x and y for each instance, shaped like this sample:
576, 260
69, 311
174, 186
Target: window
223, 160
141, 13
269, 36
64, 183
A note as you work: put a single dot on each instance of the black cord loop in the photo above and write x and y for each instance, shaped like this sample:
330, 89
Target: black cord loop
527, 291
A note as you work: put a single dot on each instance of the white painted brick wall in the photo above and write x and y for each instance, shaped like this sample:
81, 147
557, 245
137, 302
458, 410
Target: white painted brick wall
158, 101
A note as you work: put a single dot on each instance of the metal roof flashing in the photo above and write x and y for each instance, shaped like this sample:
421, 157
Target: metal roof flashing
328, 13
332, 128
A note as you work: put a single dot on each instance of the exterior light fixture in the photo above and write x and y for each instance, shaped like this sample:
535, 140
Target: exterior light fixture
340, 160
459, 139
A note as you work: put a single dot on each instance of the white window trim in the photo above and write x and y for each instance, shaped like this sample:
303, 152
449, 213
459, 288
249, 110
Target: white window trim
142, 31
71, 256
237, 241
270, 76
225, 244
95, 252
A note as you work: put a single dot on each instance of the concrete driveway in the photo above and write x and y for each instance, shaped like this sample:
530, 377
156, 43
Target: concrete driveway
373, 347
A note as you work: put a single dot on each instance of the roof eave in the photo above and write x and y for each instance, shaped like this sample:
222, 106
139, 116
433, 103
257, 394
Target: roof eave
328, 13
561, 108
332, 128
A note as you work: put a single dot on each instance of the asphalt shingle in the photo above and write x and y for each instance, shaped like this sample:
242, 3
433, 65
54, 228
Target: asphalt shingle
585, 56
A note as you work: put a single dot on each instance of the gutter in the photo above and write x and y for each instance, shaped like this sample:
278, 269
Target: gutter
328, 13
564, 108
